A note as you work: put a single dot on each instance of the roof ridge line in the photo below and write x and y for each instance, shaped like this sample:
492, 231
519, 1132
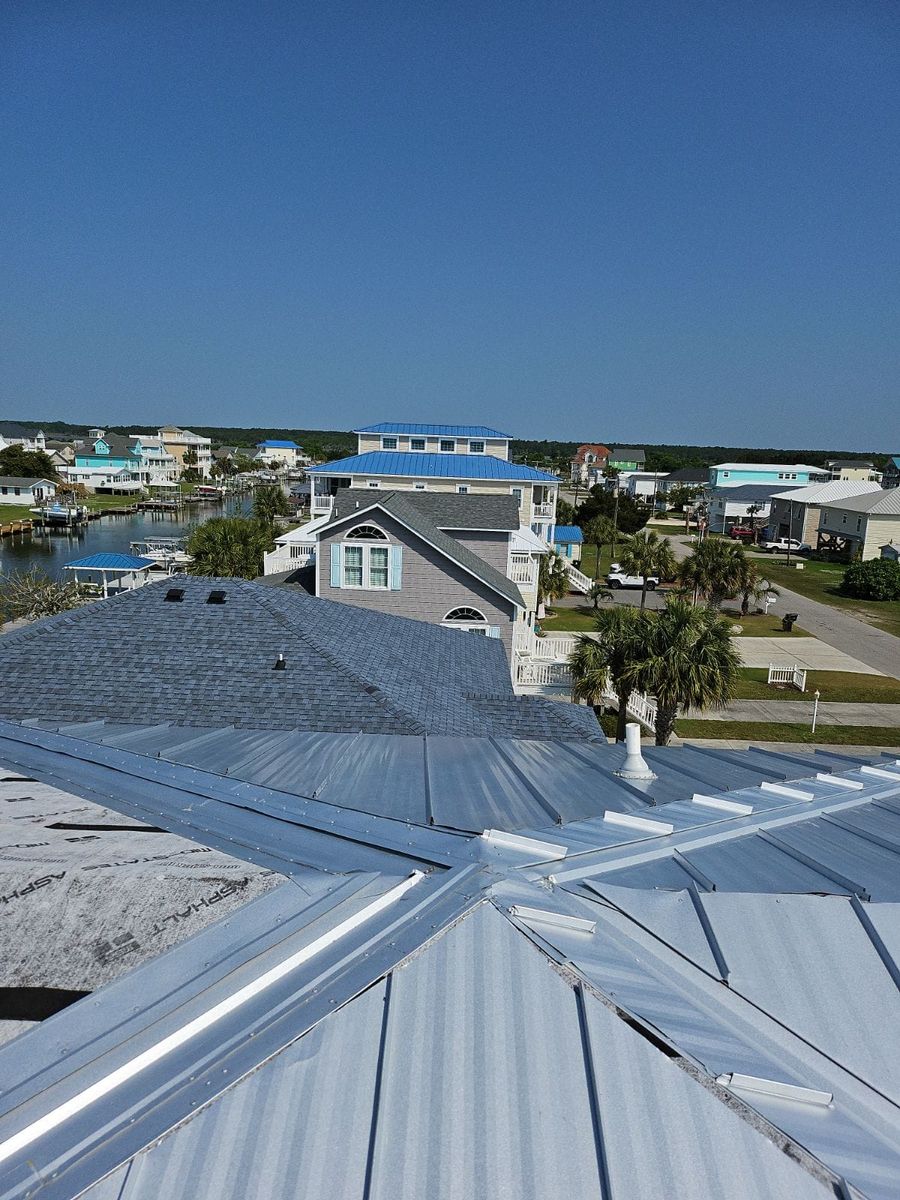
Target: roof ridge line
396, 710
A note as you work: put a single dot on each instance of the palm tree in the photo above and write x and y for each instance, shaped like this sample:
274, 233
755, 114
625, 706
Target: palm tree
597, 533
269, 502
608, 658
229, 547
648, 554
752, 586
687, 660
713, 572
597, 593
553, 579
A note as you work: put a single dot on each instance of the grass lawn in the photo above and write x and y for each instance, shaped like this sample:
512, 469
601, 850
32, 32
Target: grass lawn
568, 620
761, 626
835, 686
766, 731
14, 512
820, 581
589, 561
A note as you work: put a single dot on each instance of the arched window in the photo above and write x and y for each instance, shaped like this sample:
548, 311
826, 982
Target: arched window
469, 615
365, 533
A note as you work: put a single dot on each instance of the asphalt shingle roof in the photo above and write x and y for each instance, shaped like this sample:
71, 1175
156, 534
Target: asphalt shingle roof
446, 510
140, 659
411, 465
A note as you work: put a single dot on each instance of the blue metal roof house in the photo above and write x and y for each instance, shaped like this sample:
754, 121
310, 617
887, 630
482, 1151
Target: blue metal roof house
567, 540
462, 458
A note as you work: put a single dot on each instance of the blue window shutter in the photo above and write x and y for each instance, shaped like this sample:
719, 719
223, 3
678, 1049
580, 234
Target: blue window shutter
396, 568
335, 565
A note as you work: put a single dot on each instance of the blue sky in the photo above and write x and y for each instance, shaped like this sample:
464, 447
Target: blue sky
606, 221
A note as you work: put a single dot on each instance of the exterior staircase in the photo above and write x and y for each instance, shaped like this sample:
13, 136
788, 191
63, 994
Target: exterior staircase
579, 581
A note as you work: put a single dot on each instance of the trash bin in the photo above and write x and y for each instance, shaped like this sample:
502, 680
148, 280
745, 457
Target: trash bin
787, 621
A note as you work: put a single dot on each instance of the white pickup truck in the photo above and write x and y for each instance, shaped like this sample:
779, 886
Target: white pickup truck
618, 579
782, 545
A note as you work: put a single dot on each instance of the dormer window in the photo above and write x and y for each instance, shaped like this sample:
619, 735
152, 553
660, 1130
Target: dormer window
476, 447
389, 443
447, 446
417, 443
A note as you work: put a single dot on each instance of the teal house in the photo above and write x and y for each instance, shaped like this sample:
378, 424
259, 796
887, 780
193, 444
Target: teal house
738, 474
110, 452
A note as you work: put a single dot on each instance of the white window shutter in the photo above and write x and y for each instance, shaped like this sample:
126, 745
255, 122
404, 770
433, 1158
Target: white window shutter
396, 568
335, 565
493, 631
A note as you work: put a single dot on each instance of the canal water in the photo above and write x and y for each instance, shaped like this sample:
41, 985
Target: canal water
110, 534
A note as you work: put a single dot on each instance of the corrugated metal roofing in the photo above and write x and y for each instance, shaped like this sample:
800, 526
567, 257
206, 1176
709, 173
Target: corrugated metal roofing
478, 1069
567, 534
433, 466
476, 431
492, 1079
112, 562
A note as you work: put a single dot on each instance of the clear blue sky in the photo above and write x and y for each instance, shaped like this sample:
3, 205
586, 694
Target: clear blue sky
607, 221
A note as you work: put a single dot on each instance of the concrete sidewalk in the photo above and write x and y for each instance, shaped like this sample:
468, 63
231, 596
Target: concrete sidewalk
807, 652
799, 712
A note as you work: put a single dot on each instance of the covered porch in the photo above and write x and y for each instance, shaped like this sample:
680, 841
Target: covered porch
110, 574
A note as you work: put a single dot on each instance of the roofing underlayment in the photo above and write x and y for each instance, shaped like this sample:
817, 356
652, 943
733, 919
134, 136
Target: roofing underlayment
464, 976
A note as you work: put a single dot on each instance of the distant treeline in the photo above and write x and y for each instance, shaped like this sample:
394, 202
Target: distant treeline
663, 457
336, 443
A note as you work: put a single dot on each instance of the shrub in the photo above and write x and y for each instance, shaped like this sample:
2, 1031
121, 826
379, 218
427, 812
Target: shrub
876, 579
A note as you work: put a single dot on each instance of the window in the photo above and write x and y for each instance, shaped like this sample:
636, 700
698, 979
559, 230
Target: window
389, 443
725, 474
476, 447
462, 488
366, 533
378, 566
362, 564
517, 492
465, 614
417, 443
353, 566
447, 446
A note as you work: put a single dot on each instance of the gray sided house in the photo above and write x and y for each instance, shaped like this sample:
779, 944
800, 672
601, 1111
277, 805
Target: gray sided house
392, 552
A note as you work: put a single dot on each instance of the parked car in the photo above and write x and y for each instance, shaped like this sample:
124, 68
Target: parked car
618, 579
743, 532
782, 545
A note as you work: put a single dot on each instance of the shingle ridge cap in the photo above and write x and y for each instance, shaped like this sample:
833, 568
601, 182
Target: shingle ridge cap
395, 709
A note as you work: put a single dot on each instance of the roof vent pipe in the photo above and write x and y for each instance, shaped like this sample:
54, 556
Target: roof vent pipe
280, 664
634, 766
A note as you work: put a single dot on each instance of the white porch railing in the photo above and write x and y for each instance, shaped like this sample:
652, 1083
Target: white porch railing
532, 673
579, 581
793, 675
322, 504
289, 557
522, 569
542, 511
550, 649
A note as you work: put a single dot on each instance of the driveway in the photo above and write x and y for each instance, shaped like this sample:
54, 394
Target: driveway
878, 650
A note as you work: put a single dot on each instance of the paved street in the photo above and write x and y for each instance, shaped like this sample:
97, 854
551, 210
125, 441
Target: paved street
799, 712
877, 649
